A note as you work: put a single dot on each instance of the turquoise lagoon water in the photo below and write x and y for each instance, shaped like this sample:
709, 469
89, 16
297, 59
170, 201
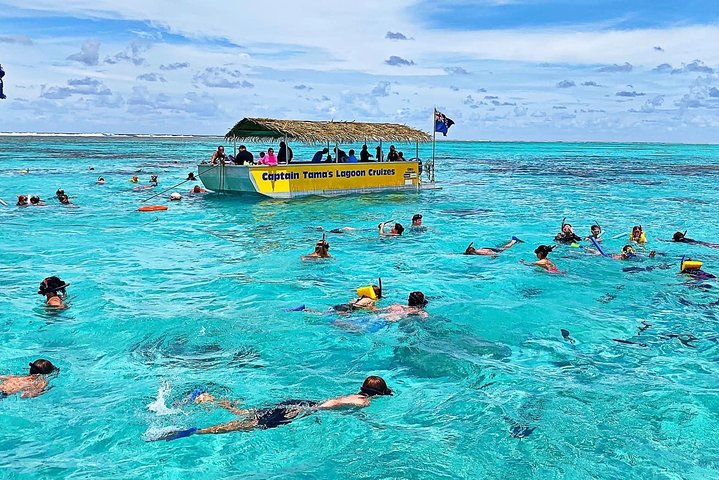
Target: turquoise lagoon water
486, 387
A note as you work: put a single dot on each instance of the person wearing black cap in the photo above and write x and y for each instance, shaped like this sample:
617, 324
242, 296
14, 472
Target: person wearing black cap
30, 385
244, 157
282, 413
54, 290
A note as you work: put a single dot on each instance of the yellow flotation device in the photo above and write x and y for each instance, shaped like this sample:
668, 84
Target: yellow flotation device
134, 180
367, 291
642, 239
690, 264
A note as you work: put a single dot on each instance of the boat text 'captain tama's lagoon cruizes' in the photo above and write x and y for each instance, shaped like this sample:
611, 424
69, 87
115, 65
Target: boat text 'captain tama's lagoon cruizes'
325, 178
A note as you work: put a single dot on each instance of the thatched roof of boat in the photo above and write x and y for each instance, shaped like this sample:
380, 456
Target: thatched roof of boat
258, 129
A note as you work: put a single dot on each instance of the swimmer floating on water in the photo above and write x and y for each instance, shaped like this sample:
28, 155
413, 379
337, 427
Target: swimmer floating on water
682, 238
54, 290
415, 306
395, 231
489, 250
366, 298
322, 250
31, 385
595, 232
628, 252
282, 413
417, 223
637, 235
693, 268
567, 235
542, 251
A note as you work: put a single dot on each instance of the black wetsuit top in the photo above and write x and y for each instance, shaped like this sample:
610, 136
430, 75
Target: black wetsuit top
282, 413
567, 238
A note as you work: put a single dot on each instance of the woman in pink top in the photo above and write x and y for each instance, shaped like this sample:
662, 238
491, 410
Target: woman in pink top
270, 158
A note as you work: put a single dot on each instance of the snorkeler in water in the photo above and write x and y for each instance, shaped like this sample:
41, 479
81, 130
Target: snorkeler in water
681, 237
490, 250
542, 252
595, 232
282, 413
567, 235
417, 223
415, 306
395, 231
322, 250
54, 290
637, 235
693, 268
31, 385
366, 299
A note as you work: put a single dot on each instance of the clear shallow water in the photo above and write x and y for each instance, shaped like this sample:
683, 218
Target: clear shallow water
164, 302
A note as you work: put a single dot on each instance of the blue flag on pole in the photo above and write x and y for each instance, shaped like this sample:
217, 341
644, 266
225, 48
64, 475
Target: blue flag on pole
442, 123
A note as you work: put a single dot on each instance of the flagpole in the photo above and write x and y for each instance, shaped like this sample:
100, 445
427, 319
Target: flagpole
434, 141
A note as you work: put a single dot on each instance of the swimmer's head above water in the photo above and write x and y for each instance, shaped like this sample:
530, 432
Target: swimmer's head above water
595, 230
417, 220
52, 285
42, 367
417, 299
628, 251
543, 250
374, 385
470, 249
679, 236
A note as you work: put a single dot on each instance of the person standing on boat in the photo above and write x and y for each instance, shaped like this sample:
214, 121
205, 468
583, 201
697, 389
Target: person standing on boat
218, 156
392, 155
364, 154
282, 156
319, 155
340, 155
380, 155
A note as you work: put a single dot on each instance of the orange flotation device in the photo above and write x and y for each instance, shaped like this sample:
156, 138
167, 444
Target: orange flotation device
152, 208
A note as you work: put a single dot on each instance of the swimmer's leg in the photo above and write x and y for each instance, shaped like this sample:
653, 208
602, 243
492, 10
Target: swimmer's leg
233, 426
511, 243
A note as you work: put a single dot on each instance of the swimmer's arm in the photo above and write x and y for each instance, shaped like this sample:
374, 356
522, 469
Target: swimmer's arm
231, 408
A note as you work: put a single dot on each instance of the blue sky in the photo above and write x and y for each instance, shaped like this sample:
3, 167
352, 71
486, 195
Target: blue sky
501, 69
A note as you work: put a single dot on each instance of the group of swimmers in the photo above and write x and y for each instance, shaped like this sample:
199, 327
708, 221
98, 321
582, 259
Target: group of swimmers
35, 201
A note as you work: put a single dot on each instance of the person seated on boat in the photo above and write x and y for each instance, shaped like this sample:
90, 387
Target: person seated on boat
244, 157
281, 413
340, 155
366, 299
54, 290
191, 177
282, 156
198, 189
595, 232
351, 158
261, 159
395, 231
270, 158
380, 154
59, 193
637, 235
415, 306
135, 179
36, 202
22, 201
541, 252
489, 250
392, 155
319, 154
65, 200
364, 154
218, 156
567, 235
400, 157
322, 250
100, 180
31, 385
